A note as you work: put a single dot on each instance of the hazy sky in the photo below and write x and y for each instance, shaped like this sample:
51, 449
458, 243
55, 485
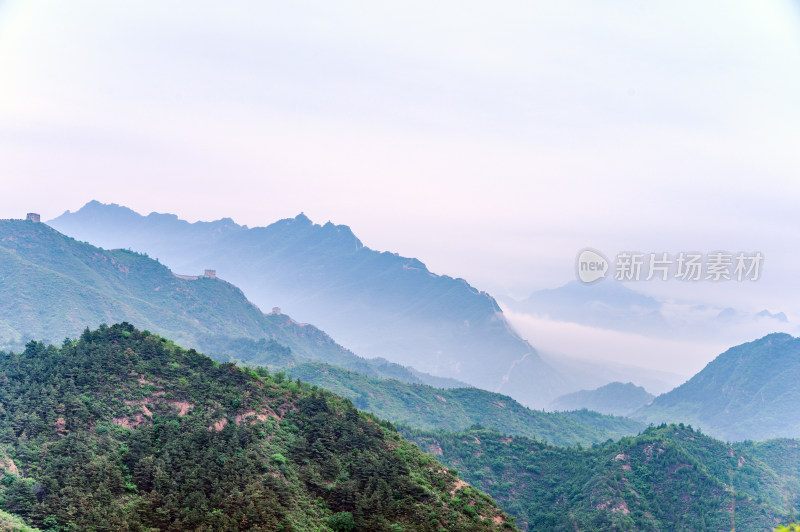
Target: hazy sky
492, 140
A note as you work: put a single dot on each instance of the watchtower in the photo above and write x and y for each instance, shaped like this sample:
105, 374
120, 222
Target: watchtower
210, 274
33, 217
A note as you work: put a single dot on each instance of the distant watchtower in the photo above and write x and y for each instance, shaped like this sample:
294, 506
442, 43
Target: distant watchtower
210, 274
276, 310
33, 217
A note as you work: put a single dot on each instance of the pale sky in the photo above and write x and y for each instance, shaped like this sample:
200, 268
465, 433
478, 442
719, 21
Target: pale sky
492, 140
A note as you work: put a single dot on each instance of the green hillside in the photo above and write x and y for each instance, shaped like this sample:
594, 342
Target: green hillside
668, 478
55, 287
456, 409
614, 398
122, 430
747, 393
12, 523
376, 303
52, 287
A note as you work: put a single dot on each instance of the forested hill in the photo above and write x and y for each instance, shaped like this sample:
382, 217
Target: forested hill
123, 430
668, 478
749, 392
54, 286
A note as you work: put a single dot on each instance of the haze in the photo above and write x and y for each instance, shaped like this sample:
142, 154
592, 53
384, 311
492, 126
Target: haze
492, 141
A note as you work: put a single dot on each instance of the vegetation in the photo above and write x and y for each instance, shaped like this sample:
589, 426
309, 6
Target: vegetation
456, 409
123, 430
668, 478
54, 286
376, 303
747, 393
12, 523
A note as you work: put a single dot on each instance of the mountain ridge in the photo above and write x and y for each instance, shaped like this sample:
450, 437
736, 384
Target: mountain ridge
376, 303
55, 286
748, 392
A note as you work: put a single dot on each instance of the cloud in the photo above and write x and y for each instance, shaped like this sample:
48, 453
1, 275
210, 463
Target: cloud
573, 340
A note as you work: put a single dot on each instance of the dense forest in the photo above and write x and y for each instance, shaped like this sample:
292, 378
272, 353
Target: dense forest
121, 429
668, 478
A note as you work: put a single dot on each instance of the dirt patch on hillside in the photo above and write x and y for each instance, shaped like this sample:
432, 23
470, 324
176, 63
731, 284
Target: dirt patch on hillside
458, 485
7, 465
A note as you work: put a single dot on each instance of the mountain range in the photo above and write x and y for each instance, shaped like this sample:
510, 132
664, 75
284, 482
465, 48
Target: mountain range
54, 287
133, 404
378, 304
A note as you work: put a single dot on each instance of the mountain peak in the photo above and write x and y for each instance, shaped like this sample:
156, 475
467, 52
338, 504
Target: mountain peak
747, 392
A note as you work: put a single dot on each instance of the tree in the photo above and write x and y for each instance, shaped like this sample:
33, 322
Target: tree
342, 522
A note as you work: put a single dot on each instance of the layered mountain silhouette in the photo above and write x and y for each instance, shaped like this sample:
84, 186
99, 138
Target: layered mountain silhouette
378, 304
54, 287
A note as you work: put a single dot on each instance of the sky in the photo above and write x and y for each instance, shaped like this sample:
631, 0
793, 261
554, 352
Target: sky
491, 140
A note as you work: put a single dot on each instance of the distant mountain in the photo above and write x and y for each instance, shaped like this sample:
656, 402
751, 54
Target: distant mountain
749, 392
615, 398
123, 430
607, 304
455, 409
588, 374
52, 287
378, 304
668, 478
614, 305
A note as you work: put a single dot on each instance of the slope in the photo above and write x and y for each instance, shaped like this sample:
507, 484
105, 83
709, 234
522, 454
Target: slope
54, 286
668, 478
456, 409
122, 430
748, 392
378, 304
